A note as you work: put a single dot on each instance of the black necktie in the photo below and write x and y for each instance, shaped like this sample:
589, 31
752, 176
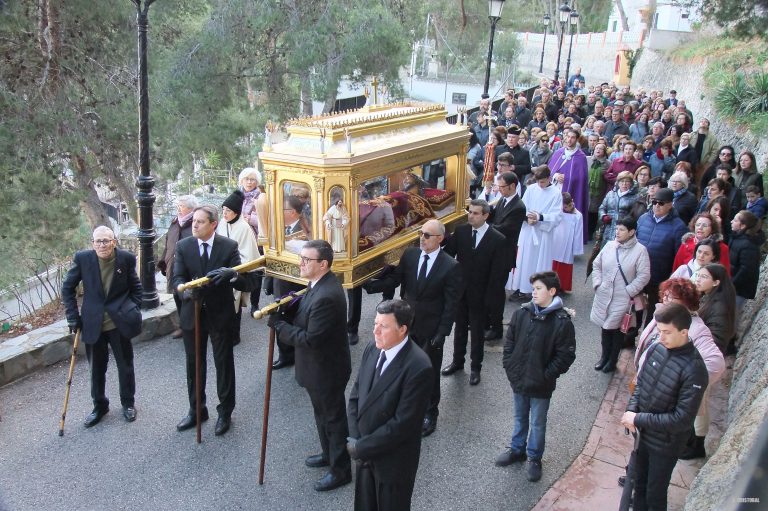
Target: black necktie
204, 258
423, 270
474, 238
379, 367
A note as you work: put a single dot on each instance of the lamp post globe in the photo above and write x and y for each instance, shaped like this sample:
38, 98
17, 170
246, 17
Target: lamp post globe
494, 14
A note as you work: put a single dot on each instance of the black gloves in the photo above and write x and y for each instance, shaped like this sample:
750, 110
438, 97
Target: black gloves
222, 276
352, 448
276, 317
191, 294
162, 266
74, 324
437, 341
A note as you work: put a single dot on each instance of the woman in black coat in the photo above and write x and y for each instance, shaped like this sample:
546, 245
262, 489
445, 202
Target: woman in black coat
718, 303
746, 240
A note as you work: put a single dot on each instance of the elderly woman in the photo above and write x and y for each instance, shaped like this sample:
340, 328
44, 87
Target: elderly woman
684, 201
234, 226
180, 228
617, 204
619, 274
250, 184
703, 227
684, 292
662, 162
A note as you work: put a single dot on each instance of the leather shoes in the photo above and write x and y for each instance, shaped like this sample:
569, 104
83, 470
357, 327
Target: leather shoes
429, 426
331, 481
280, 363
222, 425
451, 368
491, 335
190, 421
95, 417
316, 461
129, 412
353, 338
474, 378
177, 334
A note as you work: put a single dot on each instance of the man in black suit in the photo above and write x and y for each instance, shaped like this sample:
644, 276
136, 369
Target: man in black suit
481, 251
431, 284
507, 217
323, 362
210, 255
109, 315
386, 410
520, 161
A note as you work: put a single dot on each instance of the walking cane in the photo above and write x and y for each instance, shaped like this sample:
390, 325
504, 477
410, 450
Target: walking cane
268, 384
69, 382
631, 477
198, 372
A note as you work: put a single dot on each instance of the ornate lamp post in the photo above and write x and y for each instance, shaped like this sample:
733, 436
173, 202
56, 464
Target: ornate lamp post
574, 20
494, 14
565, 12
544, 22
145, 182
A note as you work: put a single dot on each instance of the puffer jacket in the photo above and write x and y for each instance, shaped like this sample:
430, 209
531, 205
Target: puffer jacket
745, 262
687, 251
616, 207
538, 348
662, 239
713, 311
612, 295
669, 390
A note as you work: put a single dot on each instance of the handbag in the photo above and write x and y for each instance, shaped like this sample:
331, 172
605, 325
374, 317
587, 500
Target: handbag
629, 316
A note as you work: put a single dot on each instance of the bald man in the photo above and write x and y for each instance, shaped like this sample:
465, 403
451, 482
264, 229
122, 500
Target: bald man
109, 316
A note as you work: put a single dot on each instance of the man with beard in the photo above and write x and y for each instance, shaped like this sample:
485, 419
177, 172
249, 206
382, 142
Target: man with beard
571, 174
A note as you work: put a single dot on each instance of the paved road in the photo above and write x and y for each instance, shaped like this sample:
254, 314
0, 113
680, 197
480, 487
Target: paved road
149, 465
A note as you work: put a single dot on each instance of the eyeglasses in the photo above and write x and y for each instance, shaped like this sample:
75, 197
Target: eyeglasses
427, 235
658, 202
102, 242
305, 260
703, 224
250, 179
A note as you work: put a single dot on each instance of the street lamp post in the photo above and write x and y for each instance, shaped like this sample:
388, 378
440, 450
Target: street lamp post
144, 196
544, 22
565, 12
494, 13
574, 20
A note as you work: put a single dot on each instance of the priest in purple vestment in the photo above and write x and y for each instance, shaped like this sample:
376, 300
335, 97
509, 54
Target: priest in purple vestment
569, 171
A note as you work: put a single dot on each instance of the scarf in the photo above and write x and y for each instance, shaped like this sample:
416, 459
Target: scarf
237, 217
181, 219
678, 194
568, 153
596, 177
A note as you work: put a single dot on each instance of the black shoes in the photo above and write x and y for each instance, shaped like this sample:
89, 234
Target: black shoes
491, 335
222, 425
190, 421
474, 378
353, 338
429, 426
451, 368
694, 449
508, 457
129, 412
331, 481
609, 367
95, 417
601, 364
534, 470
316, 461
280, 363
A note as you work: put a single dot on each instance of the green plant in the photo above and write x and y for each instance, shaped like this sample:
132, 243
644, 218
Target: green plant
743, 95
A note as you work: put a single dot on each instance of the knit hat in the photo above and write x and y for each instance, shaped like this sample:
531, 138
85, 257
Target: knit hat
235, 201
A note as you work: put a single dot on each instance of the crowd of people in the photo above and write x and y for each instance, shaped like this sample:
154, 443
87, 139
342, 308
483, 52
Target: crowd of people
676, 221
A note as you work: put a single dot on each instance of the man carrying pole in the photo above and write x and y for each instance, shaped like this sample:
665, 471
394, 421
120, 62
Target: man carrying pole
213, 256
109, 316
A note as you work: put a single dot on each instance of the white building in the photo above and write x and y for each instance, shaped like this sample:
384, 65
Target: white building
670, 15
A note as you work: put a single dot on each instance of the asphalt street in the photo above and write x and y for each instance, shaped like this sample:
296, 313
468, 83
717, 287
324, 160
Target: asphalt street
149, 465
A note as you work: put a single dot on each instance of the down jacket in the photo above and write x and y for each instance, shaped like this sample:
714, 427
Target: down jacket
669, 390
686, 252
745, 262
540, 345
662, 239
612, 295
616, 207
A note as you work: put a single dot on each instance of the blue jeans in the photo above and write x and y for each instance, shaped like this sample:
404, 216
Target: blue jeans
533, 411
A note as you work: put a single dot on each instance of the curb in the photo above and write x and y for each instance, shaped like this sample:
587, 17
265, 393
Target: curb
49, 345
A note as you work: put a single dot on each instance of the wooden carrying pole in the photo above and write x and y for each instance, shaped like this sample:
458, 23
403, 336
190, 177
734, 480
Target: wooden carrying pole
198, 373
271, 308
69, 383
240, 268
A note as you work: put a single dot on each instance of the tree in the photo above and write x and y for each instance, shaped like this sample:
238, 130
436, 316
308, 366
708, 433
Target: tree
744, 19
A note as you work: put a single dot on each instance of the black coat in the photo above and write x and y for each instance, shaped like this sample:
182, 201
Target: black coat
434, 304
175, 233
318, 332
538, 348
386, 418
670, 386
521, 161
121, 303
744, 252
508, 220
483, 268
686, 206
218, 302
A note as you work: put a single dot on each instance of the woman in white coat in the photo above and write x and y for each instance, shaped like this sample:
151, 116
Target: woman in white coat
620, 272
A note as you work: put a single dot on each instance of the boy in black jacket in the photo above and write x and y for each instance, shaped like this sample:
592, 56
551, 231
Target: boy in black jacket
671, 381
540, 346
